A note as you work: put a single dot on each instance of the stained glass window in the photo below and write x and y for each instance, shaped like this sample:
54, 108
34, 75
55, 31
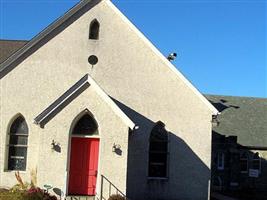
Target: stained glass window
18, 141
158, 151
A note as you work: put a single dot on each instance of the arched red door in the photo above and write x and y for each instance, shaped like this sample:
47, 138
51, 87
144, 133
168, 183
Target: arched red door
83, 166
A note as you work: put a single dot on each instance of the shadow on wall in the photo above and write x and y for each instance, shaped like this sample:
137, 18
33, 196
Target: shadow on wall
232, 177
188, 177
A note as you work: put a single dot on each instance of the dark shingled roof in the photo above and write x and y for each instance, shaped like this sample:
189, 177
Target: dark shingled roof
244, 117
8, 47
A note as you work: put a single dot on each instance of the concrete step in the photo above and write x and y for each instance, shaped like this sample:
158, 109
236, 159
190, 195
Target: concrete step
81, 198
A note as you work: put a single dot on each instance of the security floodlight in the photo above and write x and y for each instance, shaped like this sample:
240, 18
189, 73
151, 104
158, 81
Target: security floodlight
172, 56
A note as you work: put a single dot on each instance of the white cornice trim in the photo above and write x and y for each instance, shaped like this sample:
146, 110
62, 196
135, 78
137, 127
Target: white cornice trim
111, 103
70, 93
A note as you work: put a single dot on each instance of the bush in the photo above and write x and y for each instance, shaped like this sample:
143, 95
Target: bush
33, 193
11, 195
116, 197
36, 193
25, 191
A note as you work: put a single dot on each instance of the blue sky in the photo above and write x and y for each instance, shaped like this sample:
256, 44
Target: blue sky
221, 44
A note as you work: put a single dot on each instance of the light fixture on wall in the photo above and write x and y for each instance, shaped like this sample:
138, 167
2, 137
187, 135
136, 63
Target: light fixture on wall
172, 56
116, 148
55, 146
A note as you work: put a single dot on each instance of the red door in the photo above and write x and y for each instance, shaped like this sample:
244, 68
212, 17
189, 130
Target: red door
83, 166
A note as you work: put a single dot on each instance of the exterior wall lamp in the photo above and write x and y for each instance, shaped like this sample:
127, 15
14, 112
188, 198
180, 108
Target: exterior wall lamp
55, 146
116, 148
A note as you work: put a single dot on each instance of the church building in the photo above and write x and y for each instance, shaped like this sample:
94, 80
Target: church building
95, 109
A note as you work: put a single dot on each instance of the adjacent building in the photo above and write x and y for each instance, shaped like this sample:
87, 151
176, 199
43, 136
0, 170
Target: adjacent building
239, 147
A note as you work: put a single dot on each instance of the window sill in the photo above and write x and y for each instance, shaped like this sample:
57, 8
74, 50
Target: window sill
10, 171
158, 178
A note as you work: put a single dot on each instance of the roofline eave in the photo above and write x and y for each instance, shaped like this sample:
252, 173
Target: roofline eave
60, 103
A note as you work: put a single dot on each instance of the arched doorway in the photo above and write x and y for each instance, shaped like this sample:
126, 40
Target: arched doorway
84, 156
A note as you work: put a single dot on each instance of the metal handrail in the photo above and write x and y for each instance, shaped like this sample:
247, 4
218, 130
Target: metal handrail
118, 191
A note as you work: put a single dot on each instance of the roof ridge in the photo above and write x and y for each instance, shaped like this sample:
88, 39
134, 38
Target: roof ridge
222, 95
14, 40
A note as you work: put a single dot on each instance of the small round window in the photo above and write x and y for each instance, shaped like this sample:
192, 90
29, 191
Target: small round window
86, 126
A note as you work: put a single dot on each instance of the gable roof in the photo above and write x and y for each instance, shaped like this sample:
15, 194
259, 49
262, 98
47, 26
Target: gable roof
164, 60
244, 117
8, 47
61, 102
44, 36
111, 103
68, 18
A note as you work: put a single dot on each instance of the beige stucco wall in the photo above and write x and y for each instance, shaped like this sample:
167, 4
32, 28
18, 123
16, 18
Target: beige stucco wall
146, 84
111, 128
131, 71
20, 96
52, 167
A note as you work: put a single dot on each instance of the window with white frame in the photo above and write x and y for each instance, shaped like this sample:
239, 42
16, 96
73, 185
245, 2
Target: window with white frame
243, 162
256, 162
18, 143
220, 161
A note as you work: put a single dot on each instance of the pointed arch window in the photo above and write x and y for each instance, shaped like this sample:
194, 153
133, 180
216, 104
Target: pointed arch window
94, 30
158, 151
244, 162
18, 144
86, 126
256, 161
